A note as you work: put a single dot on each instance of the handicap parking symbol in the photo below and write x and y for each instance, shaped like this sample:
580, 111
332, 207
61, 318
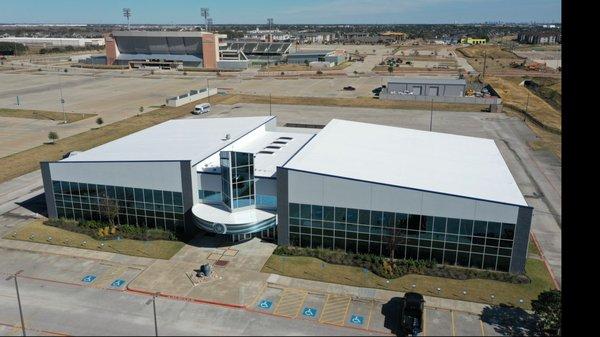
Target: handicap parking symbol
310, 312
264, 304
357, 319
89, 278
117, 283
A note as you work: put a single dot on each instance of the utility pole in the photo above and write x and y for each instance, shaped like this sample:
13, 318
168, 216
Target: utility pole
204, 14
270, 111
484, 62
431, 116
208, 89
18, 299
127, 14
526, 106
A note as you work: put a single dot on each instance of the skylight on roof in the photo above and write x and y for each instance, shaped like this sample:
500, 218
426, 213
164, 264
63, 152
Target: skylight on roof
266, 152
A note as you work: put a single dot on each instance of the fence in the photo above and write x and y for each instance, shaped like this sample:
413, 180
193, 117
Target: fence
441, 99
190, 97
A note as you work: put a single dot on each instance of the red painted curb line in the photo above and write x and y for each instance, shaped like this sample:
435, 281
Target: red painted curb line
537, 244
44, 331
187, 299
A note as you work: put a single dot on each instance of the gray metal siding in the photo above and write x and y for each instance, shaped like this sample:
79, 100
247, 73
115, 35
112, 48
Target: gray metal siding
157, 175
521, 240
448, 90
48, 191
309, 188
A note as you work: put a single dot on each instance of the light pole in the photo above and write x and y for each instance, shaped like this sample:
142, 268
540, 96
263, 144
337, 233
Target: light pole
153, 301
62, 100
431, 116
127, 14
208, 89
204, 14
270, 111
18, 299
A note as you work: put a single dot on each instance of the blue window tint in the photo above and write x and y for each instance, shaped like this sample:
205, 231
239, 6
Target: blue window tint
328, 213
364, 217
452, 226
317, 212
305, 211
294, 210
352, 215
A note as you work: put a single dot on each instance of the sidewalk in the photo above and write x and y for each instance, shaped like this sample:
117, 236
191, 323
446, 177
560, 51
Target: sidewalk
134, 261
369, 293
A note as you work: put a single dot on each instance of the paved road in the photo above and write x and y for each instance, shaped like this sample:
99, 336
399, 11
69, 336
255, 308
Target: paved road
73, 310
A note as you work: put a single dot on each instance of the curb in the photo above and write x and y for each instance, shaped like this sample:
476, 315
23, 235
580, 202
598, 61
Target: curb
537, 244
183, 298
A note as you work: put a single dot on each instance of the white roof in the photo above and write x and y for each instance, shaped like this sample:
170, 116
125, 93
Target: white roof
180, 139
437, 162
265, 164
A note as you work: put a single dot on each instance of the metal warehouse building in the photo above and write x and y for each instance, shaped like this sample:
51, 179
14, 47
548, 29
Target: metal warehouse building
421, 86
351, 186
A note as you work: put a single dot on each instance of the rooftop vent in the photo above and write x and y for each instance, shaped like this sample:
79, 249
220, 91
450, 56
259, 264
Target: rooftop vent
227, 137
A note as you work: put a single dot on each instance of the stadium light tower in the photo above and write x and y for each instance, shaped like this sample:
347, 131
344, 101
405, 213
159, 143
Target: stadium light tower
127, 14
270, 22
210, 23
204, 13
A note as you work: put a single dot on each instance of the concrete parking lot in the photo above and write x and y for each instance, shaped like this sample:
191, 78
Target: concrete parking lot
367, 314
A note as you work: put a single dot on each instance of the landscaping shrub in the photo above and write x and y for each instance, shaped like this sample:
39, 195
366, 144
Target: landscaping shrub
386, 268
102, 231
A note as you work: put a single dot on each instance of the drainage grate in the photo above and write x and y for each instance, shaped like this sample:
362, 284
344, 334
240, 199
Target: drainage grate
221, 263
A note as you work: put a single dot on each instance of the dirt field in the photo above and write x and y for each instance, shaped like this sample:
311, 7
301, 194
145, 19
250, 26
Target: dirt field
514, 94
45, 115
303, 67
495, 52
360, 102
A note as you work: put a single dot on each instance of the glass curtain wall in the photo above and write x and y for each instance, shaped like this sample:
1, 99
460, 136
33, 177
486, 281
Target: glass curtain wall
237, 179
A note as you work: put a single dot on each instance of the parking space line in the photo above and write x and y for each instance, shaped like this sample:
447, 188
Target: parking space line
452, 315
424, 321
370, 313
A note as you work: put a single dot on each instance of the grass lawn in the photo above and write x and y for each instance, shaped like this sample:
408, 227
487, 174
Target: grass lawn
40, 114
359, 102
158, 249
29, 160
478, 290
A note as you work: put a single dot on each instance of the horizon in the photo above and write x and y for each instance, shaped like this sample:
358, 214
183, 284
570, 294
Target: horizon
284, 12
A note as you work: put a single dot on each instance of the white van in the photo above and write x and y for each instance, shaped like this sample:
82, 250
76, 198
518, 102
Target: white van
201, 108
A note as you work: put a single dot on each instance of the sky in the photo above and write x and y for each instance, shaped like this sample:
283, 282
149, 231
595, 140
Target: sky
282, 11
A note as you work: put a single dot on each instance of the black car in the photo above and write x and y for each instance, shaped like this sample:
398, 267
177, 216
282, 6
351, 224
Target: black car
411, 315
377, 91
349, 88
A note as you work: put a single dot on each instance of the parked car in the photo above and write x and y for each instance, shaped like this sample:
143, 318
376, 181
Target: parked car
411, 314
201, 108
349, 88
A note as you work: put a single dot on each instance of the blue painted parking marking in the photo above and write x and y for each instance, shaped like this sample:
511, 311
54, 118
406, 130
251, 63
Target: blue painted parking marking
89, 278
310, 312
357, 319
264, 304
117, 283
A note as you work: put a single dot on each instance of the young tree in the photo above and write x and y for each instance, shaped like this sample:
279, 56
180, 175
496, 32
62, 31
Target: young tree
390, 69
99, 121
394, 240
141, 109
547, 308
110, 209
52, 136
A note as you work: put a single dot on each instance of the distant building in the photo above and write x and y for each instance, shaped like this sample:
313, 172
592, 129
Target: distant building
46, 42
266, 35
363, 37
163, 49
470, 40
314, 37
549, 37
259, 52
421, 86
334, 57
